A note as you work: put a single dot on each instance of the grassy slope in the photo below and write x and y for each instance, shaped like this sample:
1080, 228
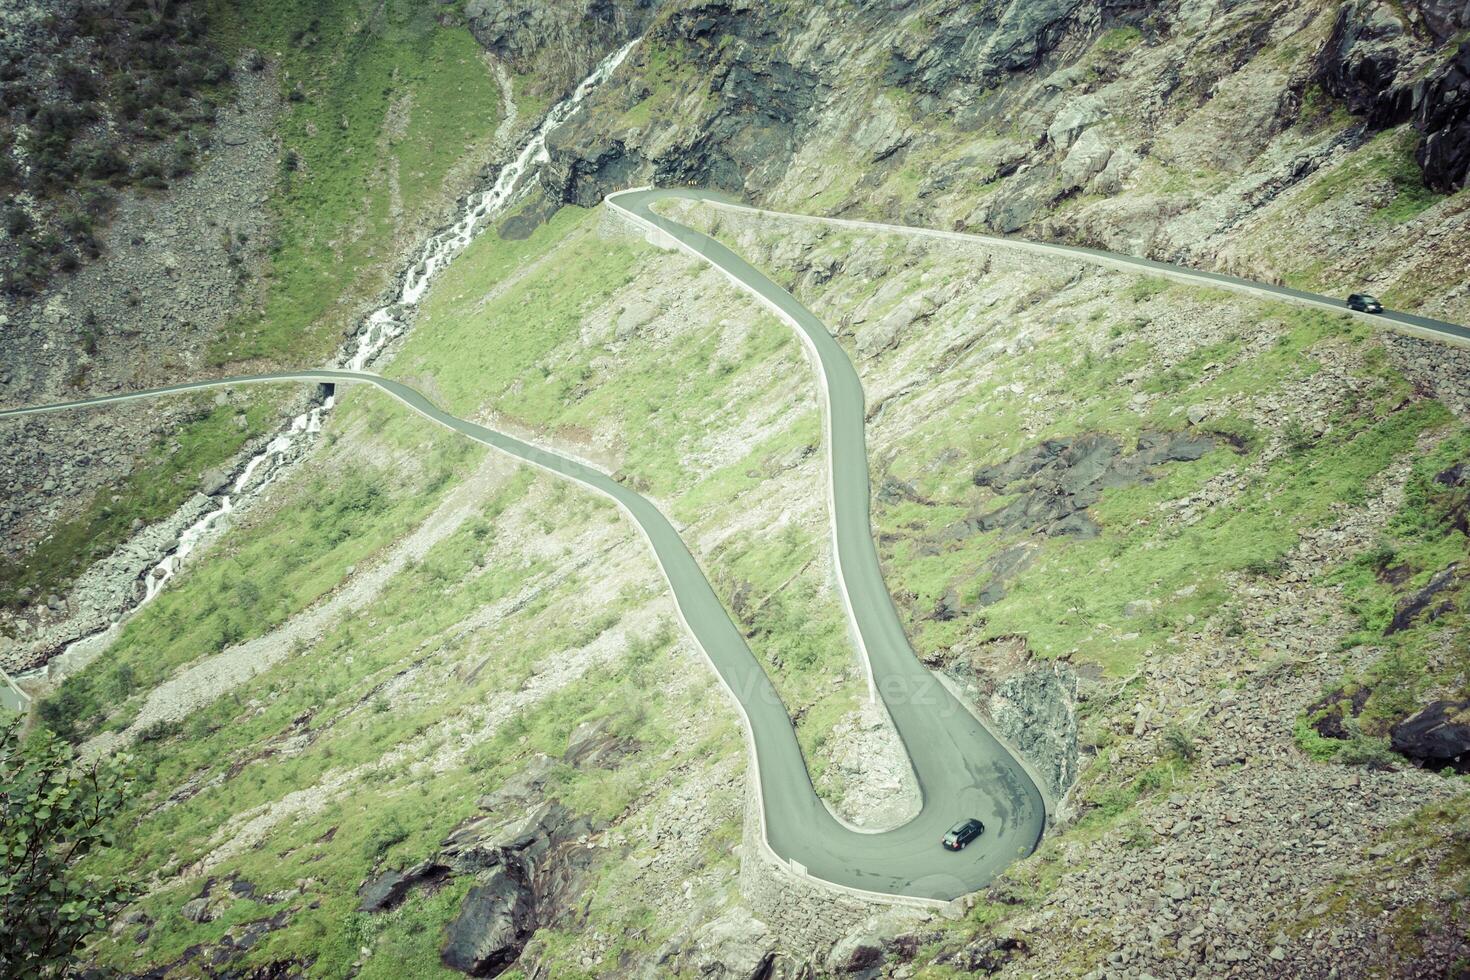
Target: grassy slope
374, 90
150, 493
1073, 381
518, 350
344, 511
338, 217
412, 758
1080, 376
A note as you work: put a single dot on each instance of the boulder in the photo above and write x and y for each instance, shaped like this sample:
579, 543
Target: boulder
1437, 736
387, 890
1074, 118
735, 946
495, 922
196, 910
1088, 157
215, 481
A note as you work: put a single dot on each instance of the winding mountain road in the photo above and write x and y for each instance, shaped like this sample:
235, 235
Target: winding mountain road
962, 770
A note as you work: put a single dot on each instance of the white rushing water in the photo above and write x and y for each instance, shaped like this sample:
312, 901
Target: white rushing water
379, 329
387, 323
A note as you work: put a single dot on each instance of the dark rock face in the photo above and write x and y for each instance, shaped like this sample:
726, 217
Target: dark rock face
977, 43
1455, 505
1060, 478
1442, 114
1335, 709
1361, 61
390, 888
1428, 603
493, 926
1002, 568
760, 99
1438, 736
1374, 60
556, 40
1442, 18
529, 869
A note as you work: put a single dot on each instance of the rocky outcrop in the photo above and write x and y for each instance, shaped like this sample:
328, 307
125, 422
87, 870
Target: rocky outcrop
1059, 479
735, 946
879, 941
1035, 709
390, 888
493, 925
1429, 603
1361, 62
1380, 61
556, 43
1436, 737
974, 45
759, 100
528, 867
1442, 114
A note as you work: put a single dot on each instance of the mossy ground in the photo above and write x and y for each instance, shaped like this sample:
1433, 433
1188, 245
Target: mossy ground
344, 511
506, 332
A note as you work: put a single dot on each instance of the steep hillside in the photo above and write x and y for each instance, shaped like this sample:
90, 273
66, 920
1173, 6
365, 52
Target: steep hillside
416, 711
339, 140
1282, 140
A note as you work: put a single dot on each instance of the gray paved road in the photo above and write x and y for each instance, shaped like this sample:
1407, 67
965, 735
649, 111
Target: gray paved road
1428, 328
961, 769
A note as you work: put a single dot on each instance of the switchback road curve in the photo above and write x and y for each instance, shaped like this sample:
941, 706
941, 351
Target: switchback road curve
961, 769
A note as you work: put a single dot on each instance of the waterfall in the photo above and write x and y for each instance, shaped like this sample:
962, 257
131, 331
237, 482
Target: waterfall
378, 330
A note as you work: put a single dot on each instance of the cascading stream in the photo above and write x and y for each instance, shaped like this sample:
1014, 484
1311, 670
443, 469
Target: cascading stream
379, 329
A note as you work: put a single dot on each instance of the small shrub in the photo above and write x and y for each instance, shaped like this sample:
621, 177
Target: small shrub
1296, 438
1180, 744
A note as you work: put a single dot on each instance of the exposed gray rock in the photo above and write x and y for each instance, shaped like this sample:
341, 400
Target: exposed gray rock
391, 887
735, 946
1058, 479
494, 923
1002, 568
1437, 736
1087, 158
1426, 603
1075, 117
1035, 708
556, 42
879, 940
196, 910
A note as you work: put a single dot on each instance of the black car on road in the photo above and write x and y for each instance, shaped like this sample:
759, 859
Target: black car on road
1364, 303
962, 833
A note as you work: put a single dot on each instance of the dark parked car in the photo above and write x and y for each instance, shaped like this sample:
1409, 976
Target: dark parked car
1364, 303
962, 833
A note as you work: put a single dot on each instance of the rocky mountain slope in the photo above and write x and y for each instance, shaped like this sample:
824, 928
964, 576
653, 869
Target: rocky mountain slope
1200, 558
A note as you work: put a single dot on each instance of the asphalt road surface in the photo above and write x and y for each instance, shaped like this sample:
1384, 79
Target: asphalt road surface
961, 769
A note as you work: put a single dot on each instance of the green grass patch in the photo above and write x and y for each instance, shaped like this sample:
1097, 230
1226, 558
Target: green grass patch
381, 102
340, 514
1120, 39
1388, 157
